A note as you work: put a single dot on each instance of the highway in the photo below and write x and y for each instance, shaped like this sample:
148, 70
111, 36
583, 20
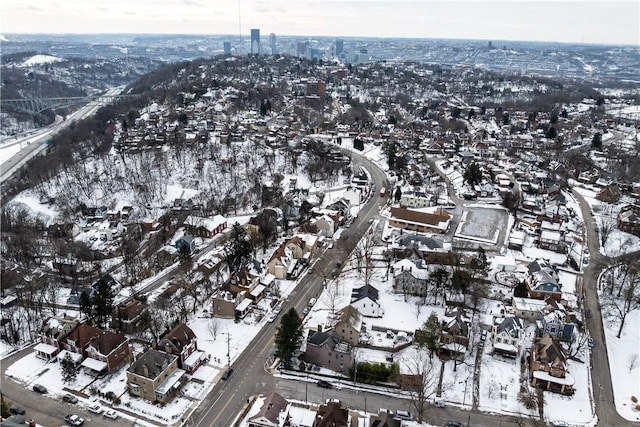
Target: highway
33, 142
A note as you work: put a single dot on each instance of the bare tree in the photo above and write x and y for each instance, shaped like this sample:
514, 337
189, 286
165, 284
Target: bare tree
619, 307
633, 362
607, 225
214, 327
423, 380
330, 295
576, 344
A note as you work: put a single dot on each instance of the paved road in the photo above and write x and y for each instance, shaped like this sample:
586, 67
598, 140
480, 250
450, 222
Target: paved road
600, 371
227, 398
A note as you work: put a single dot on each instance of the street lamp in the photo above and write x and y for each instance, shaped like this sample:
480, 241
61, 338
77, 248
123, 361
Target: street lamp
464, 396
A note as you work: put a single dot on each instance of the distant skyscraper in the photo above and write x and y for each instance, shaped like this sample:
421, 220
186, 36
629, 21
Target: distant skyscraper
226, 46
255, 40
272, 43
339, 47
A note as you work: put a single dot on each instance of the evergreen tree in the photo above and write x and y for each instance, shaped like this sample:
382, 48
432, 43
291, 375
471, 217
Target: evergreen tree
86, 306
288, 334
397, 195
596, 142
238, 248
551, 133
473, 174
429, 335
479, 262
103, 301
69, 369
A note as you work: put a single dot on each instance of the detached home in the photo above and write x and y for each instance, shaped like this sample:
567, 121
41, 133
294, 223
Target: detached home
155, 376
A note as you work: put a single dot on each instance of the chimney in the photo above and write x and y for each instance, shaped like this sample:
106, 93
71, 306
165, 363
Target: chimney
145, 370
319, 328
167, 348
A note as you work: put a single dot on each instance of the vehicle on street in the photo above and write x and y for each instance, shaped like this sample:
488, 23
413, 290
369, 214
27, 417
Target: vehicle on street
227, 374
483, 335
69, 398
454, 424
438, 402
330, 246
272, 317
111, 414
95, 408
39, 388
74, 420
312, 302
17, 410
324, 384
305, 311
590, 342
404, 415
559, 423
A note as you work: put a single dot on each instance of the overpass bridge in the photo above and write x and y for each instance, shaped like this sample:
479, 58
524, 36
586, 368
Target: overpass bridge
37, 105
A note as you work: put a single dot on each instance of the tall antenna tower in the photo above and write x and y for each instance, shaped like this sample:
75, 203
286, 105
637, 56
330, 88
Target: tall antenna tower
239, 26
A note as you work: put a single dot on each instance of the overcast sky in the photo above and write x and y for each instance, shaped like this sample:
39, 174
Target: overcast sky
587, 21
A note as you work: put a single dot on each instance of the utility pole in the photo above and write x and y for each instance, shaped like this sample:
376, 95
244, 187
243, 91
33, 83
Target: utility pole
228, 349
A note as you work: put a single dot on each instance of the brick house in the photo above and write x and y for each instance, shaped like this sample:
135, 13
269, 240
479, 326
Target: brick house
349, 325
274, 412
205, 227
80, 337
182, 341
547, 366
155, 376
328, 350
332, 414
128, 317
629, 219
423, 222
107, 352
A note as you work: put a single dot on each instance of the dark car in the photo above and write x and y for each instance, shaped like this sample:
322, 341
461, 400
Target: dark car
454, 424
39, 388
70, 398
17, 410
227, 374
324, 384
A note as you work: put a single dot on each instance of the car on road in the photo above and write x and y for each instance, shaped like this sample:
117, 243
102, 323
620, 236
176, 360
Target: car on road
439, 402
111, 414
74, 420
404, 415
227, 374
305, 311
17, 410
590, 342
69, 398
324, 384
39, 388
272, 317
559, 423
95, 408
483, 335
454, 424
312, 302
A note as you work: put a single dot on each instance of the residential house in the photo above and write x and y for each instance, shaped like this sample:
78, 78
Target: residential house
507, 336
282, 262
415, 199
547, 366
274, 412
332, 414
629, 219
80, 337
128, 317
52, 335
366, 300
384, 419
155, 376
186, 243
328, 350
182, 341
205, 227
437, 221
542, 281
225, 303
110, 283
106, 352
609, 194
555, 325
349, 325
326, 225
409, 278
528, 309
454, 337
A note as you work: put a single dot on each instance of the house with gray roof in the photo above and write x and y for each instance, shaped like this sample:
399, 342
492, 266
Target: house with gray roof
327, 349
366, 300
507, 337
155, 376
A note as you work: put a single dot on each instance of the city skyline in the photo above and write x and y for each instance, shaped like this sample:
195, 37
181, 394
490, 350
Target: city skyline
547, 21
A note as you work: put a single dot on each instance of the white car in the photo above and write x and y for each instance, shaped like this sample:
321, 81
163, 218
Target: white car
111, 414
273, 317
96, 409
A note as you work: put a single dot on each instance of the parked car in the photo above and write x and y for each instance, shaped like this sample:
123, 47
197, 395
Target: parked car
312, 302
69, 398
324, 384
305, 311
39, 388
454, 424
95, 408
438, 402
227, 374
404, 415
17, 410
74, 420
111, 414
483, 335
272, 317
559, 423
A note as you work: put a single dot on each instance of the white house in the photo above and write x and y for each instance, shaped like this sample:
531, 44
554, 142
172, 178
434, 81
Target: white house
507, 336
366, 301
